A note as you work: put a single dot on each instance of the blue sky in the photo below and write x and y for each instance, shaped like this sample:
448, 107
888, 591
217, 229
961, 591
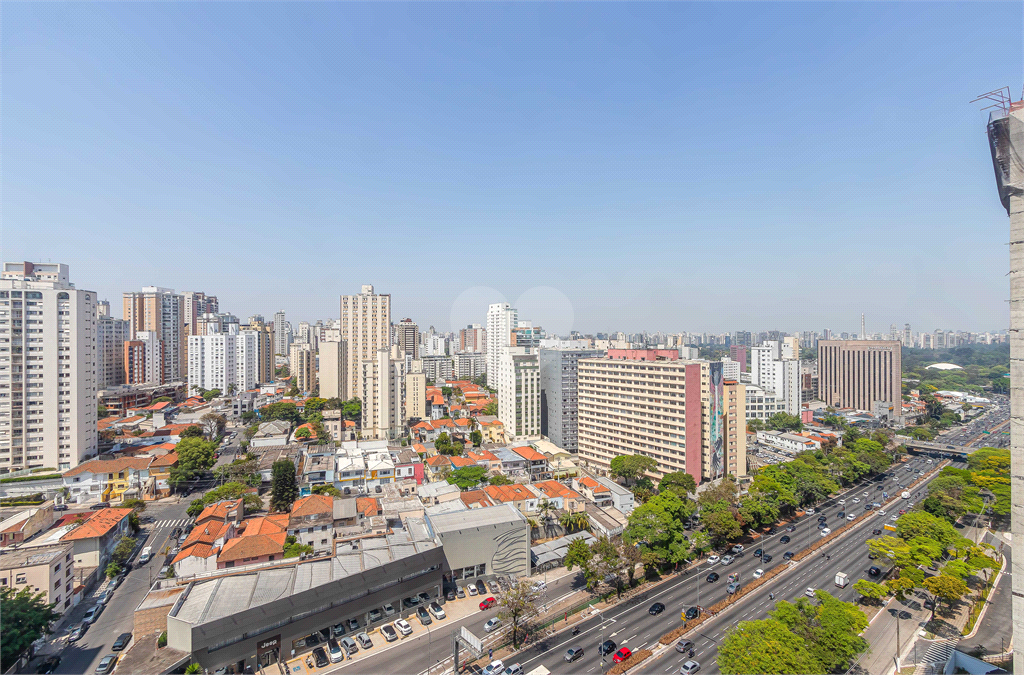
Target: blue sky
656, 166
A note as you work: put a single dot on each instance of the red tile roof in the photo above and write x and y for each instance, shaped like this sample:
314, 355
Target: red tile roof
219, 510
478, 497
509, 493
526, 452
98, 524
312, 505
197, 550
255, 546
460, 462
115, 465
367, 506
169, 459
552, 488
265, 525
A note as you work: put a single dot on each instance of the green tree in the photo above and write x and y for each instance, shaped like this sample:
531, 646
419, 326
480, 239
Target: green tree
578, 555
122, 551
211, 394
326, 490
284, 410
499, 479
784, 422
24, 618
631, 467
283, 488
192, 431
195, 456
722, 526
136, 505
765, 647
945, 589
313, 405
517, 603
476, 438
700, 542
830, 629
467, 477
112, 570
679, 482
249, 416
869, 590
491, 408
303, 433
352, 409
193, 669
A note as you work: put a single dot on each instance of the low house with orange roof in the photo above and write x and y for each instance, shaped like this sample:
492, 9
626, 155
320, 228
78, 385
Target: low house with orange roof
160, 475
562, 497
436, 466
461, 462
301, 437
106, 479
486, 459
476, 499
215, 525
537, 463
339, 428
96, 538
251, 550
491, 429
521, 497
594, 491
311, 522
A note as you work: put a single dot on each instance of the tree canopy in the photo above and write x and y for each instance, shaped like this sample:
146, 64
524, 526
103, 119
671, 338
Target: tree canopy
24, 618
632, 467
679, 482
283, 488
467, 477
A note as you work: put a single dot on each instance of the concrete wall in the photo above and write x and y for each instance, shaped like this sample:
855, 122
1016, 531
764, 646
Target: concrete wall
504, 548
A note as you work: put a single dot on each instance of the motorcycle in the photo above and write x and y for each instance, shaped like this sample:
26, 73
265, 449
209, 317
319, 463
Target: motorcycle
576, 630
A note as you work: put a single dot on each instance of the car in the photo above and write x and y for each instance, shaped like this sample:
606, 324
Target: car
93, 614
460, 592
809, 592
933, 567
403, 627
656, 609
410, 602
784, 539
712, 559
389, 632
492, 625
866, 494
146, 554
856, 500
737, 549
851, 517
822, 526
424, 597
758, 573
353, 625
822, 518
841, 514
77, 631
713, 577
471, 588
727, 560
436, 611
375, 615
349, 645
841, 502
876, 531
364, 640
320, 657
107, 664
495, 667
449, 596
121, 642
732, 588
868, 507
872, 556
115, 582
684, 645
788, 555
488, 603
424, 616
689, 668
49, 665
874, 571
481, 588
573, 653
758, 553
334, 651
494, 587
607, 647
766, 558
791, 528
389, 609
810, 511
826, 531
104, 597
514, 669
692, 613
621, 655
337, 630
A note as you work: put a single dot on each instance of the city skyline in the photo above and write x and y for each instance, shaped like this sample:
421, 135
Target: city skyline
600, 159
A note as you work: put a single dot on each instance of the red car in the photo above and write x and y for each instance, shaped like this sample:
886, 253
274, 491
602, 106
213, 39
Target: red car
621, 655
488, 603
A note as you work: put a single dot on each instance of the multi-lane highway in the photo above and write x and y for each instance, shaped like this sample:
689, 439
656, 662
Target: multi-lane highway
633, 626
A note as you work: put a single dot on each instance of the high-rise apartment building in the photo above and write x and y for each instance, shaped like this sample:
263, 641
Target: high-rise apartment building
415, 393
519, 393
559, 385
197, 303
160, 311
858, 374
302, 366
47, 368
265, 366
333, 369
111, 334
407, 336
682, 413
143, 358
473, 338
525, 334
501, 319
470, 365
776, 368
383, 396
738, 353
282, 334
366, 326
224, 361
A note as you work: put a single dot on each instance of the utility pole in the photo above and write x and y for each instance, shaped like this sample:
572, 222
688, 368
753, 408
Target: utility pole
897, 657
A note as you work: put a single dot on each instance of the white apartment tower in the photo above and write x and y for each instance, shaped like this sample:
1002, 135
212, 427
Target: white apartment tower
333, 369
47, 368
501, 319
282, 334
160, 311
774, 366
225, 361
366, 327
302, 366
519, 392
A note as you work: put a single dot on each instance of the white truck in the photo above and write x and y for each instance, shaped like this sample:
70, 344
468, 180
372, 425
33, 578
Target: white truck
905, 495
842, 579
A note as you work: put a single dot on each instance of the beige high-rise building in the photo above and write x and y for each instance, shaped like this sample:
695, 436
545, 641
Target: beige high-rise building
671, 413
264, 349
111, 334
160, 311
333, 369
860, 373
302, 365
366, 326
407, 335
415, 395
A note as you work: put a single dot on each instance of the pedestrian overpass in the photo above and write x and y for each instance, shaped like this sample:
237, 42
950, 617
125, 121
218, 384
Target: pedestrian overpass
943, 450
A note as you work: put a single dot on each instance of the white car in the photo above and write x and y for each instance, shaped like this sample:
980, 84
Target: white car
389, 609
825, 531
881, 512
893, 517
842, 502
809, 592
866, 494
712, 559
856, 500
403, 627
492, 625
758, 572
727, 560
494, 667
851, 517
471, 588
810, 511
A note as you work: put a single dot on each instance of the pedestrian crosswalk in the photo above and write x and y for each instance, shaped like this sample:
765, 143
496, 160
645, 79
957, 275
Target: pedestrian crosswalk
171, 523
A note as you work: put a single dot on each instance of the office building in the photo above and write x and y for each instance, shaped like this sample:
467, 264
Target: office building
473, 338
333, 369
160, 311
407, 337
775, 366
47, 368
366, 326
224, 361
559, 386
282, 334
1006, 142
143, 359
519, 393
111, 334
682, 413
739, 353
302, 366
859, 373
501, 319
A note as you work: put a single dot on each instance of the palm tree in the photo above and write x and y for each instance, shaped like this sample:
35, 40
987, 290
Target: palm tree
545, 507
534, 526
582, 521
568, 521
